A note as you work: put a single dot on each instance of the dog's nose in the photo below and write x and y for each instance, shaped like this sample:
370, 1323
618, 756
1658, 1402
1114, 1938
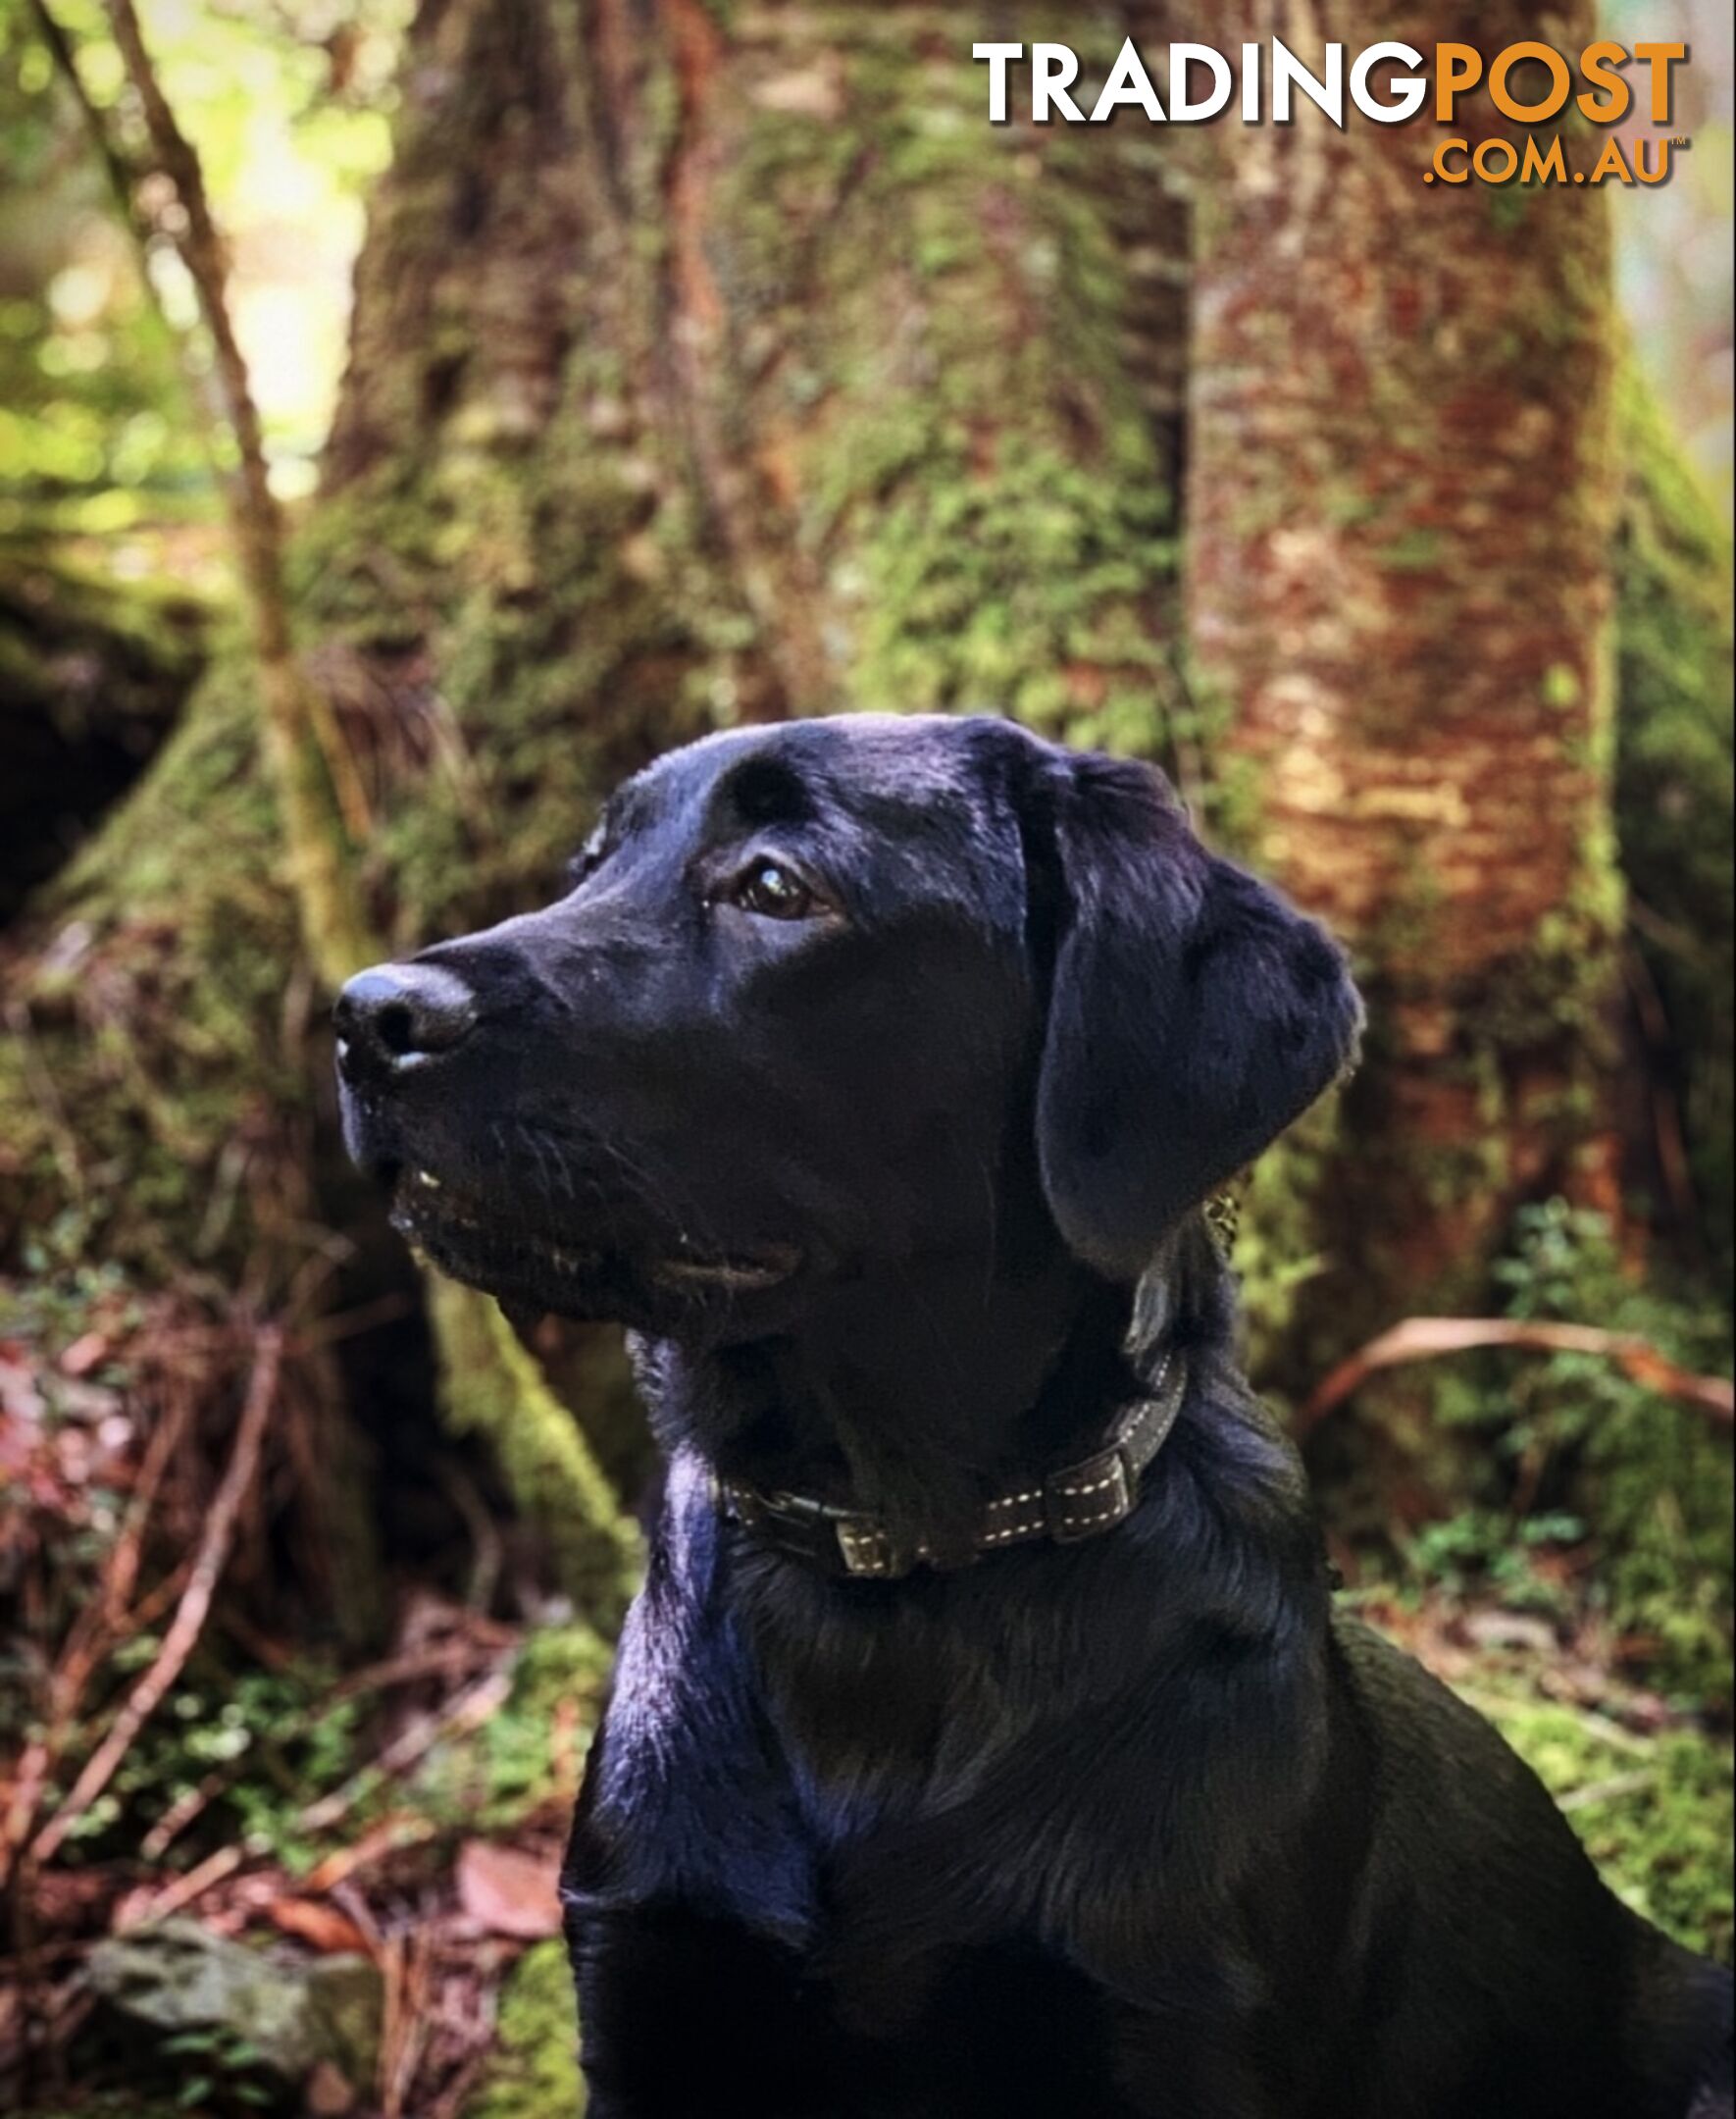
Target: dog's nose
391, 1015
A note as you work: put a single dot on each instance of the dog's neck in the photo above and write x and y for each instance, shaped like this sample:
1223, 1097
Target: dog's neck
917, 1391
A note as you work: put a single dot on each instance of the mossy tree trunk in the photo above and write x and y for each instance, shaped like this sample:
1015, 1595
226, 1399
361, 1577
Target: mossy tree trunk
721, 364
701, 371
93, 678
704, 373
1675, 810
1401, 504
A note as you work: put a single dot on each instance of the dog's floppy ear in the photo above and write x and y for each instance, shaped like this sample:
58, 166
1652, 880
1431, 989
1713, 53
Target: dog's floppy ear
1193, 1016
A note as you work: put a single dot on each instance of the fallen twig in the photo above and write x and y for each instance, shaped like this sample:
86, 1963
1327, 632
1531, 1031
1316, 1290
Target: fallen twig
456, 2095
104, 1617
347, 1324
191, 1614
1427, 1339
176, 1896
469, 1711
389, 1837
408, 1967
92, 1636
1612, 1790
452, 1659
1599, 1728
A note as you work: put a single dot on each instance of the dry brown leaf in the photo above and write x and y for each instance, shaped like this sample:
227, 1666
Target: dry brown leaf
509, 1893
321, 1927
328, 2095
388, 1836
84, 1353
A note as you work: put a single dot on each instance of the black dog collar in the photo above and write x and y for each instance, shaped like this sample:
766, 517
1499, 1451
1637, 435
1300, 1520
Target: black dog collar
1076, 1501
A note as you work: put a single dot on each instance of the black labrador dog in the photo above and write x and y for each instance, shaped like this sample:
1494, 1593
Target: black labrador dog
983, 1741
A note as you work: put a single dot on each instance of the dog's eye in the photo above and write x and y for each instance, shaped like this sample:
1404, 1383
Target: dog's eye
772, 890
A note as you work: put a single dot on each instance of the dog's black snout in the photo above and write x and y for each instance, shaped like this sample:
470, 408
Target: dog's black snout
394, 1015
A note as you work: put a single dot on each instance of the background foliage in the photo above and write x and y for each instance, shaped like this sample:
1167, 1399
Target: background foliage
713, 371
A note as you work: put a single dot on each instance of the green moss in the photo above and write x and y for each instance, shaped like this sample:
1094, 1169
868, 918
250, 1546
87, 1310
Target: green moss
1559, 988
1676, 786
525, 1757
982, 508
146, 637
533, 2072
577, 626
1277, 1250
155, 1011
491, 1386
1654, 1812
518, 583
1646, 1476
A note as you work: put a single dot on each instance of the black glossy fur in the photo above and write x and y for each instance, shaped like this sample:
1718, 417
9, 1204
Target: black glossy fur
901, 1193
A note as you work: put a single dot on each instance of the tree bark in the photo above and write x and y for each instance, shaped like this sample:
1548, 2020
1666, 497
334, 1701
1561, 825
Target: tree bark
714, 365
1401, 509
1675, 810
92, 679
699, 375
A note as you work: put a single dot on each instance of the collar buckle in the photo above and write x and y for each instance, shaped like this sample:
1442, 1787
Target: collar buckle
869, 1550
1073, 1502
1093, 1495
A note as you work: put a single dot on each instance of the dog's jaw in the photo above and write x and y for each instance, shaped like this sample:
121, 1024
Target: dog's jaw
533, 1272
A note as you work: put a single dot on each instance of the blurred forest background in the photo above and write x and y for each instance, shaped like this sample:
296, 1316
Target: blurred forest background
711, 361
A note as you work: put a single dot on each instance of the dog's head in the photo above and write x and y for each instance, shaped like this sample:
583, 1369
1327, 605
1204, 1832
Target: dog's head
818, 996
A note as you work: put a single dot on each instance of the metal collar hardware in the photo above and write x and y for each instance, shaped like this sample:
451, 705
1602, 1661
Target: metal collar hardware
1076, 1501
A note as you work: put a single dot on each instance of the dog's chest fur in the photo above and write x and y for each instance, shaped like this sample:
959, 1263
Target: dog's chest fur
1004, 1844
815, 1756
808, 1721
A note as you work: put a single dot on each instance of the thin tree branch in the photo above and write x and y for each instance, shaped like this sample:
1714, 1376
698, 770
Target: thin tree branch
319, 789
196, 1603
202, 251
121, 175
461, 1656
305, 748
94, 1636
1425, 1338
1668, 1137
